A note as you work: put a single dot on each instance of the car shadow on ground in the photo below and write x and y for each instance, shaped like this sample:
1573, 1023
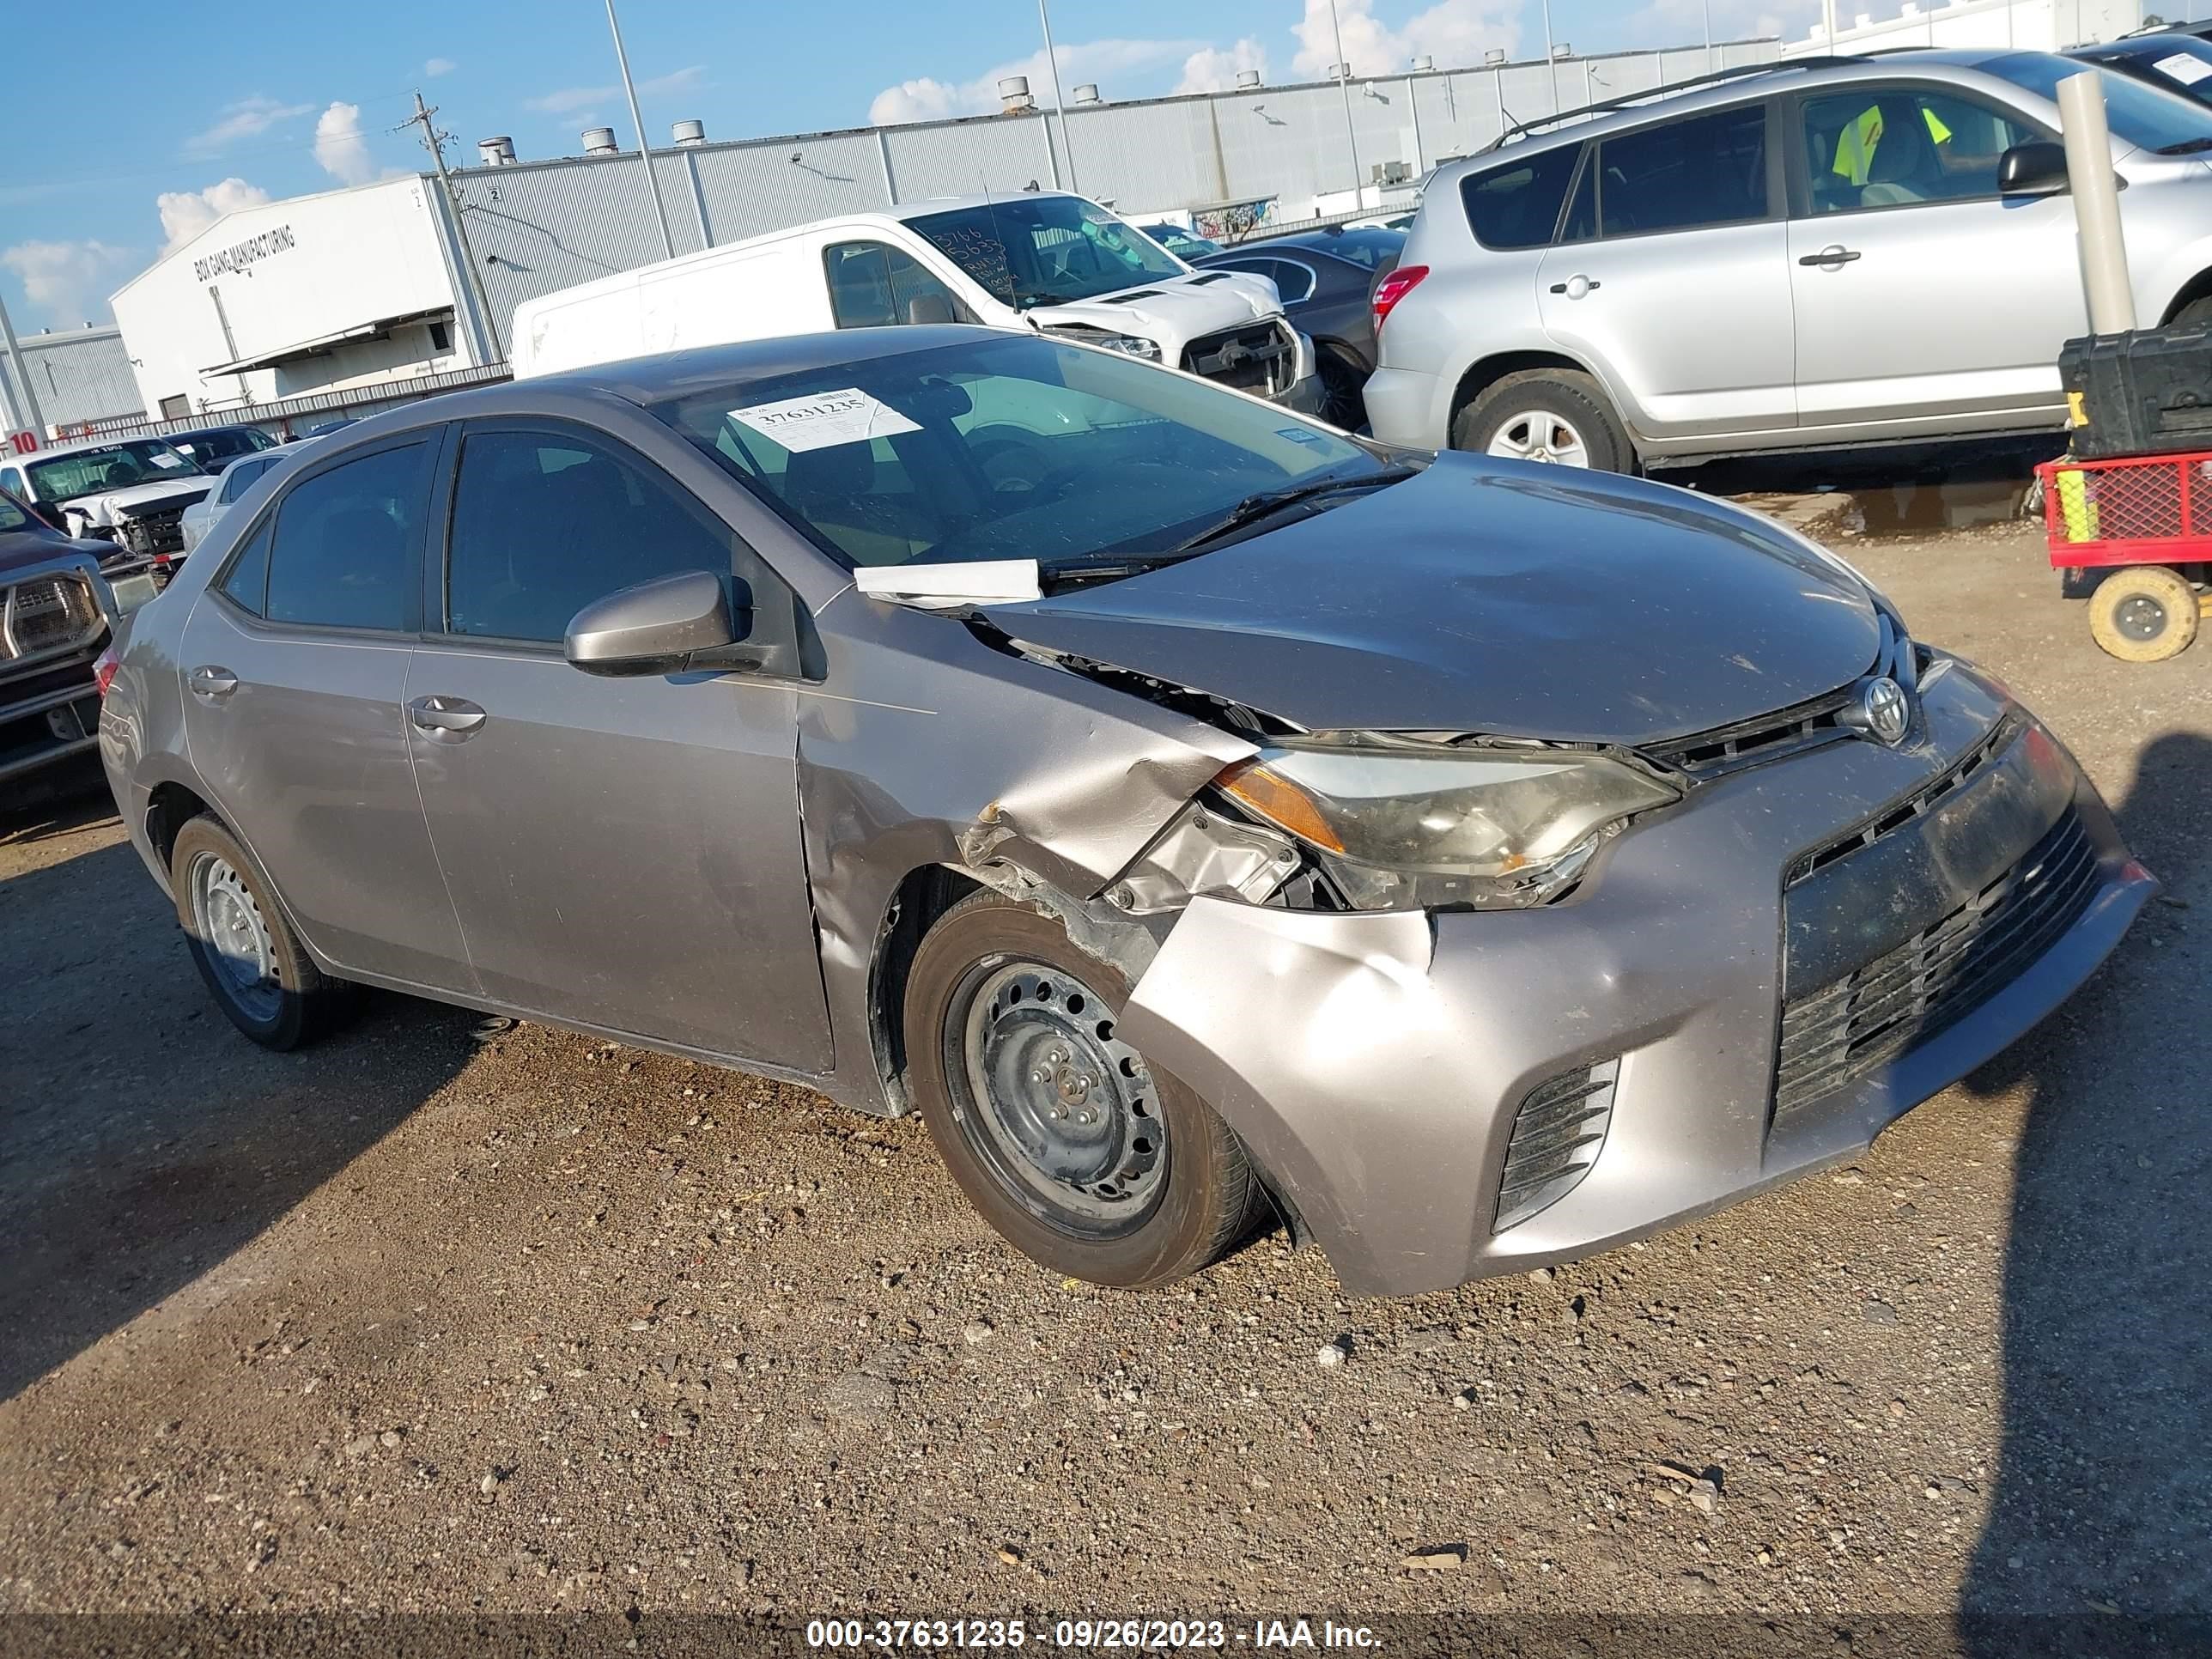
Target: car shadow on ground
2101, 1509
142, 1141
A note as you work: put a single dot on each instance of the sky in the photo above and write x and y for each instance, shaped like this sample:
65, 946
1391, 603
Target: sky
159, 127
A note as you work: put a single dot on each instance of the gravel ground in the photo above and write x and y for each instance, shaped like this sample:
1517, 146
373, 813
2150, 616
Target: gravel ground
436, 1318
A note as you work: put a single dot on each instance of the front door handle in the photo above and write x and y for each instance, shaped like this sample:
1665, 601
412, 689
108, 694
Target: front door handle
448, 719
1576, 286
1831, 256
211, 683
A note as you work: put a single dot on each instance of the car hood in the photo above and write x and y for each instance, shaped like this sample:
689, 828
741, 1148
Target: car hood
1488, 596
1174, 311
112, 507
23, 550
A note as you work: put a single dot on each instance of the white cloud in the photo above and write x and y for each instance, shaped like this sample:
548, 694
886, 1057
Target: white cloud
66, 282
1452, 32
1674, 23
571, 101
1102, 61
438, 66
249, 118
186, 213
340, 148
1215, 68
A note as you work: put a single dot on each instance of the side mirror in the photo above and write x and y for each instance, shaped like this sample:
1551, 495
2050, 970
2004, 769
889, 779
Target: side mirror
2033, 169
929, 308
658, 626
50, 515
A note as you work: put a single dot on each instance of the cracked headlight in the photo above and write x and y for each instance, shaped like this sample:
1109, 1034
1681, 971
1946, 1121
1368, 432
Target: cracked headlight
1128, 344
1495, 828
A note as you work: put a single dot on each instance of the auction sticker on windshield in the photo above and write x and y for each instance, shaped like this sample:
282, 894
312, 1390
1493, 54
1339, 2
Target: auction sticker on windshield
828, 418
2183, 68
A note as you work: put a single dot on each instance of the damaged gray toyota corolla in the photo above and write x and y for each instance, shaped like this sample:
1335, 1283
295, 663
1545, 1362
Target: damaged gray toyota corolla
1185, 806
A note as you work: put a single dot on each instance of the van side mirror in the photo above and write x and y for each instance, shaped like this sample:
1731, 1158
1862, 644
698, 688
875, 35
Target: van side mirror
929, 308
2033, 169
664, 626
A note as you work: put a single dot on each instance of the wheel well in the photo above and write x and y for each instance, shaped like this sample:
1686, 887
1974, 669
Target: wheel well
1490, 371
170, 809
925, 894
2199, 287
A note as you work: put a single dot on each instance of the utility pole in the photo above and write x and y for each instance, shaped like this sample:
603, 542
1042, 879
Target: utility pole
1351, 132
644, 145
1551, 74
1059, 106
434, 142
29, 414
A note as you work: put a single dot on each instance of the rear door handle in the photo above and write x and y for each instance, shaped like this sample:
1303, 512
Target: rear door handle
1576, 286
211, 683
448, 719
1834, 254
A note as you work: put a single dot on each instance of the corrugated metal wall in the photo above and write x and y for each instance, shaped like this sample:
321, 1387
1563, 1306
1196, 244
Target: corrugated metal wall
82, 374
547, 225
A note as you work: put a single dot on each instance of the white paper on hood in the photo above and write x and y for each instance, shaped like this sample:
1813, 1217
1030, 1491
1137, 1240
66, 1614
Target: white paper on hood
946, 587
2181, 67
828, 418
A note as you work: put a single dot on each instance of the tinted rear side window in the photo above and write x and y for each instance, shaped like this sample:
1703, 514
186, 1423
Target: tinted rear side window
247, 583
1517, 205
346, 541
1706, 170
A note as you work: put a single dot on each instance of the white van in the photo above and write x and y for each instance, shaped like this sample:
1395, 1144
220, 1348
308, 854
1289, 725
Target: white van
1041, 260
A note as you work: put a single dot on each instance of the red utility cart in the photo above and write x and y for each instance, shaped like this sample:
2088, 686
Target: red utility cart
2133, 534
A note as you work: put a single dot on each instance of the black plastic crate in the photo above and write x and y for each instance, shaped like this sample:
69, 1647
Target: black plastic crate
2148, 391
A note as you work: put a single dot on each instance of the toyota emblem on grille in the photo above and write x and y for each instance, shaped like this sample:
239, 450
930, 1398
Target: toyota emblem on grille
1883, 711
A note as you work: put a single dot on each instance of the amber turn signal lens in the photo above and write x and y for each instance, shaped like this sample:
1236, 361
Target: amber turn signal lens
1281, 802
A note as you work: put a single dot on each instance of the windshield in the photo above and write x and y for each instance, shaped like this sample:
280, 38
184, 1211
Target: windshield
2179, 63
115, 466
1011, 448
2145, 116
1046, 250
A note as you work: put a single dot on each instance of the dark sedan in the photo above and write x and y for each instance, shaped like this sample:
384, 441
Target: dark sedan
2177, 59
211, 448
1325, 278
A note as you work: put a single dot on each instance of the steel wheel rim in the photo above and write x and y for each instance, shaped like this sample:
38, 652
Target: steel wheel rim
2140, 616
1062, 1110
1538, 434
236, 938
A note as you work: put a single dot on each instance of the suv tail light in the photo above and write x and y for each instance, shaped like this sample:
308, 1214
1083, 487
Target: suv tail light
1393, 287
103, 669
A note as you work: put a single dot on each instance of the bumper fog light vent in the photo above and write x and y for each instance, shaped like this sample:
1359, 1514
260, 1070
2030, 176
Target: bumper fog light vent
1556, 1135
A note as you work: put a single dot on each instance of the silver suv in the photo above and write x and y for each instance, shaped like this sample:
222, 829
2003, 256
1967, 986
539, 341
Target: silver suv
1837, 251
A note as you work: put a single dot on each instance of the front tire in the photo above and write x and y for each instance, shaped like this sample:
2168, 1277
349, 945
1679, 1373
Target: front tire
2145, 613
1558, 416
261, 976
1089, 1161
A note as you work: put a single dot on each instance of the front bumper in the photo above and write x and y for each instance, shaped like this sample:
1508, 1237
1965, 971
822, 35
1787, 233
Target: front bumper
1376, 1063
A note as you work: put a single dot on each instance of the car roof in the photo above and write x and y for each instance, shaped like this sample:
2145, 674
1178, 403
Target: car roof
51, 451
210, 431
1966, 65
1321, 242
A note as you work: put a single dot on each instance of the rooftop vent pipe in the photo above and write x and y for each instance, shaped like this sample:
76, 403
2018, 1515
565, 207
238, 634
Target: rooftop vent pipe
600, 141
1087, 93
1247, 80
689, 135
1014, 96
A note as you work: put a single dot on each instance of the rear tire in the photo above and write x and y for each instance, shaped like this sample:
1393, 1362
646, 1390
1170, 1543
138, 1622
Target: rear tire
1087, 1160
261, 976
1556, 415
2145, 613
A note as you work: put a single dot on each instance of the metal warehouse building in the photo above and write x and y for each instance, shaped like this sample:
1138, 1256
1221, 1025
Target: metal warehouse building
393, 288
77, 376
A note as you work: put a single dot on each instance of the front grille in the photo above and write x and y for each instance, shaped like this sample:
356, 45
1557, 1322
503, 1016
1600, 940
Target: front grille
1258, 357
1557, 1134
1837, 1035
156, 532
1943, 785
42, 615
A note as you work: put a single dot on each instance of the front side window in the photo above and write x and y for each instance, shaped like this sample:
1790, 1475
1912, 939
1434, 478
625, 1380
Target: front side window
1897, 146
111, 466
1011, 447
1684, 175
544, 522
13, 517
1047, 250
1517, 205
875, 286
11, 481
345, 553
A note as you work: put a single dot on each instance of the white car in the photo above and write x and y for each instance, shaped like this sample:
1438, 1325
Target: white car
130, 491
1035, 262
235, 480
